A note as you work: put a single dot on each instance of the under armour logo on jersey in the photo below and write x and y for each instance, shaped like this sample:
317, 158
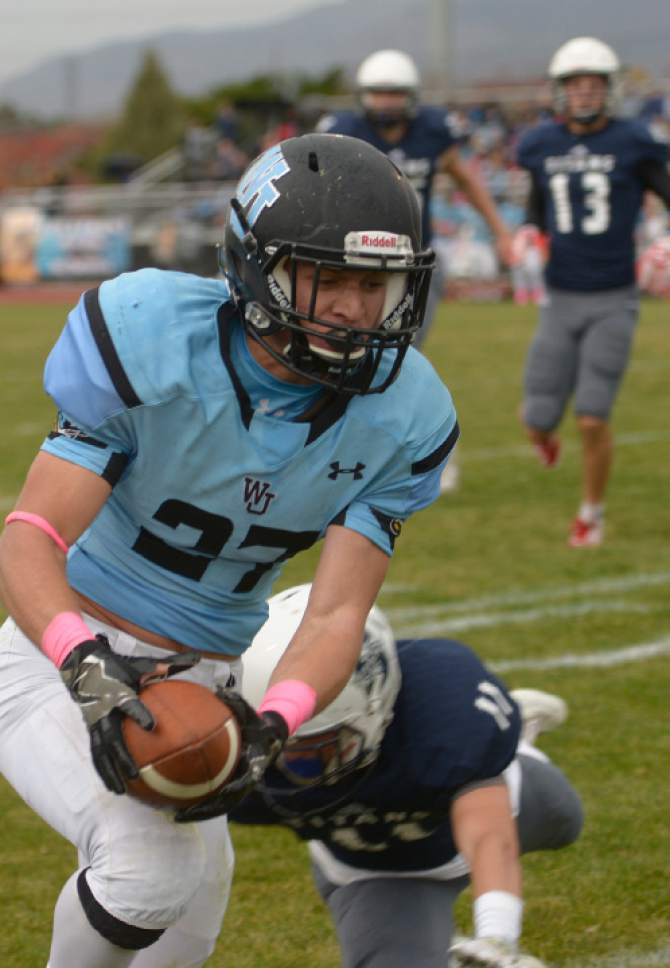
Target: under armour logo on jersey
336, 470
257, 495
495, 703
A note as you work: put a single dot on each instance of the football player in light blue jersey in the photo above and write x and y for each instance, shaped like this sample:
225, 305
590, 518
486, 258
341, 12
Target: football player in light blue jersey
421, 776
208, 430
589, 171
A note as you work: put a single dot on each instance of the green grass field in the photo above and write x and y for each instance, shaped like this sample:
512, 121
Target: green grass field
488, 564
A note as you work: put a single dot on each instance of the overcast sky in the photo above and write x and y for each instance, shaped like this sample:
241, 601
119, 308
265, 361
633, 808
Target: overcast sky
33, 30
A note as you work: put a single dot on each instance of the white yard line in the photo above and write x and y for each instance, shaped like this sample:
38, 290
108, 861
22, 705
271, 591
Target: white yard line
521, 597
626, 959
487, 620
589, 660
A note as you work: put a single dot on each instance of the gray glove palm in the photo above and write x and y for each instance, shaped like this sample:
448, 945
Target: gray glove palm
104, 685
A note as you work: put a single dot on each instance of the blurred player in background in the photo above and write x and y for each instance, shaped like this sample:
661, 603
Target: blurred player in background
589, 171
420, 141
208, 430
418, 779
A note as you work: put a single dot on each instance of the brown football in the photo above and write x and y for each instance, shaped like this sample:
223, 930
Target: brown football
191, 752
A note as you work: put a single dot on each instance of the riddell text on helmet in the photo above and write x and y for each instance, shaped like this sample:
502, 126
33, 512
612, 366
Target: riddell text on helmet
379, 241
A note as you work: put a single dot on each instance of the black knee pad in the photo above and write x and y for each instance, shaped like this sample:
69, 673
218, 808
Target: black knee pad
116, 932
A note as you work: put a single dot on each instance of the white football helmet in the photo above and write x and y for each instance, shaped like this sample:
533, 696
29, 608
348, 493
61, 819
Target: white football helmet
348, 733
585, 55
388, 71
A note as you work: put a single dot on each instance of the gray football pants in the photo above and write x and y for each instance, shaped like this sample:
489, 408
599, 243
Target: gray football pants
408, 922
581, 347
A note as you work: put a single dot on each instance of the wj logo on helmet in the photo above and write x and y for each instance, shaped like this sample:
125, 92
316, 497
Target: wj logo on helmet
259, 184
336, 470
257, 495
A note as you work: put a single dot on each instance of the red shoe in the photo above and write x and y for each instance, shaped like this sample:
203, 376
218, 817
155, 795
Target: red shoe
586, 534
549, 451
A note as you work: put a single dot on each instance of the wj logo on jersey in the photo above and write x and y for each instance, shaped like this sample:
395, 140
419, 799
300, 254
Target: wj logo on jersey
257, 495
336, 470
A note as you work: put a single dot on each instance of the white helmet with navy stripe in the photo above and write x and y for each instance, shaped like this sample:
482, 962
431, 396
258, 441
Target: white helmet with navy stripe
348, 733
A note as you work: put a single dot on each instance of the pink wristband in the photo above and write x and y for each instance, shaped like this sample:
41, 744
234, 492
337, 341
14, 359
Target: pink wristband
63, 633
40, 523
293, 699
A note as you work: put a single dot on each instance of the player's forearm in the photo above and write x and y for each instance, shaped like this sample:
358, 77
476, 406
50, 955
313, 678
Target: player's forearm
323, 654
494, 864
479, 197
33, 584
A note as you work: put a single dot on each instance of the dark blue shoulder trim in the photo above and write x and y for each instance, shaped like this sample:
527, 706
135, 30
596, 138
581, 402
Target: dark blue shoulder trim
107, 350
438, 455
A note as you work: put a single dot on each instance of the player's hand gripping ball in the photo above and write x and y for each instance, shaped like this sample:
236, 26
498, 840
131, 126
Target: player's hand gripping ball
192, 750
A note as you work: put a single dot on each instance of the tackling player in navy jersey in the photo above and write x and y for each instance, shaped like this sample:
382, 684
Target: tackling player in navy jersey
208, 430
407, 787
589, 171
420, 141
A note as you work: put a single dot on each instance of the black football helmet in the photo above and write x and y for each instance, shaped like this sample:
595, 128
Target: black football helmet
332, 202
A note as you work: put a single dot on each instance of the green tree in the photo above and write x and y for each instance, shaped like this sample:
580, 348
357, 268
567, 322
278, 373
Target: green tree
153, 118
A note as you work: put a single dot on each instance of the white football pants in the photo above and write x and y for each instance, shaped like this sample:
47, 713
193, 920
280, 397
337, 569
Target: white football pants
143, 868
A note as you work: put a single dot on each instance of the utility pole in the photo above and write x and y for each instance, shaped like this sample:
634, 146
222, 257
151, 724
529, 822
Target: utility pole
440, 47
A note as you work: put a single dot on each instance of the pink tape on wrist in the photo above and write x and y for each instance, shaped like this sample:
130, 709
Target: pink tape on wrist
293, 699
40, 523
63, 633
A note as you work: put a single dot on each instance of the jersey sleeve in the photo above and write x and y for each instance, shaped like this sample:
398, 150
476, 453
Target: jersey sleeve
335, 124
463, 724
526, 152
438, 122
92, 428
650, 148
412, 479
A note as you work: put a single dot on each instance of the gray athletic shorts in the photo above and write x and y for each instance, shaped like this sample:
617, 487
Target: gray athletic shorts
389, 922
581, 347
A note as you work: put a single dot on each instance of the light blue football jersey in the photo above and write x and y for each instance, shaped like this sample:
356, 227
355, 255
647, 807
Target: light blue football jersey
215, 481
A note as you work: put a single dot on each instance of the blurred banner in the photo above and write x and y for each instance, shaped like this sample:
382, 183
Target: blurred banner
19, 233
79, 248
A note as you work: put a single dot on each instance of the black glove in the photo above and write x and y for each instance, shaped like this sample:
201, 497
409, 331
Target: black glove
262, 740
105, 686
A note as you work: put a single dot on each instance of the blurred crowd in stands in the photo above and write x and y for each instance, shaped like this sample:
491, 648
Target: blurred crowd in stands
488, 134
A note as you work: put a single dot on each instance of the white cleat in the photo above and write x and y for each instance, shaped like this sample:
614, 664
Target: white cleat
540, 712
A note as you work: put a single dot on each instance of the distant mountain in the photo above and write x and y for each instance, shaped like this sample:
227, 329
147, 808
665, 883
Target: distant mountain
510, 39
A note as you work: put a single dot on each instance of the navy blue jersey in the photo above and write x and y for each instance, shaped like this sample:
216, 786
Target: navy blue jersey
215, 481
591, 193
454, 724
428, 136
